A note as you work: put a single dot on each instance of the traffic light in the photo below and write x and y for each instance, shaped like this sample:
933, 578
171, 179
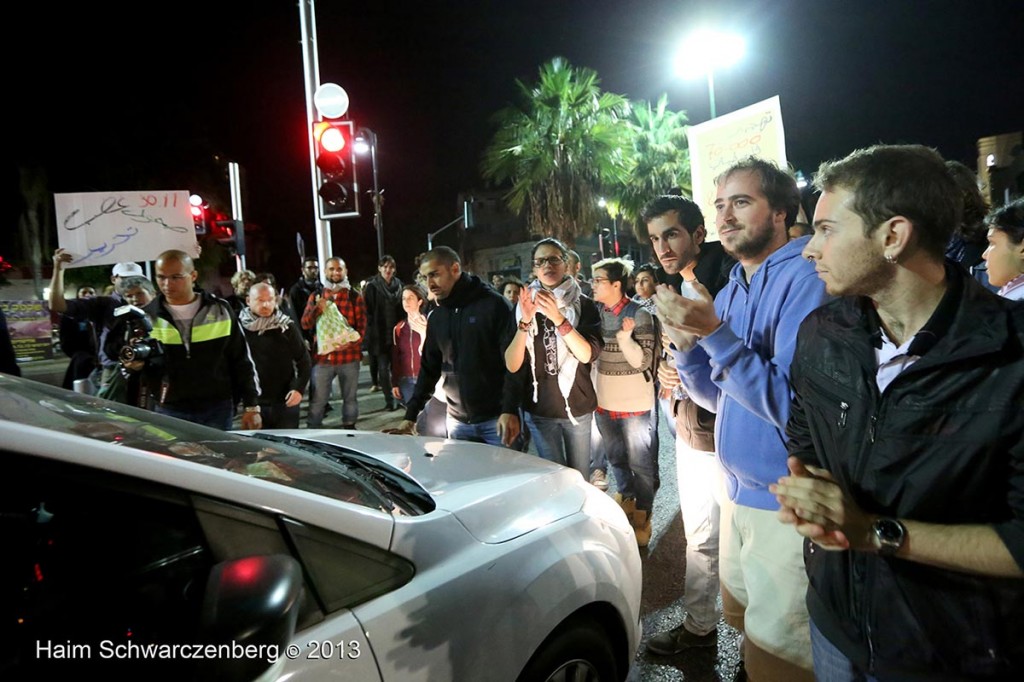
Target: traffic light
231, 233
333, 143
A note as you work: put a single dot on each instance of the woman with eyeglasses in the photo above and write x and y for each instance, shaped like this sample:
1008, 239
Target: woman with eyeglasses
558, 336
625, 392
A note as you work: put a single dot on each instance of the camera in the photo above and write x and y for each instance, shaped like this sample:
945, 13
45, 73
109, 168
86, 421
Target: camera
138, 344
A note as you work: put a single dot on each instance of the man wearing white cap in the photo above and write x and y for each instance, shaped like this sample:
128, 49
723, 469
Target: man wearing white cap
98, 309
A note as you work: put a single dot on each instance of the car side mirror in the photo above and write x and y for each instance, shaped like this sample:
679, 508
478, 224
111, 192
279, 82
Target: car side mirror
251, 605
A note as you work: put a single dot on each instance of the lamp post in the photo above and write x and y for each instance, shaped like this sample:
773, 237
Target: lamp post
614, 213
366, 140
704, 51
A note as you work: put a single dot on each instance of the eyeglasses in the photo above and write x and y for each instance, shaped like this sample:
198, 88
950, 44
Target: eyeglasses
550, 260
598, 280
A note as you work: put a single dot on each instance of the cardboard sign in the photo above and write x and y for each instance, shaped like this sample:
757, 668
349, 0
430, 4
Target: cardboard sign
717, 144
100, 228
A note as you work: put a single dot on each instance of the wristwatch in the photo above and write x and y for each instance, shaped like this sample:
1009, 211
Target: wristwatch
525, 325
253, 409
890, 533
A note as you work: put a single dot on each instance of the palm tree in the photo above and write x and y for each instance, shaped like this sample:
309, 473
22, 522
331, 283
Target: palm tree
660, 159
560, 149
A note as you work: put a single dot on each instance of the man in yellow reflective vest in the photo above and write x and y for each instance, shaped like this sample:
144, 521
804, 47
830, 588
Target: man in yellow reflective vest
205, 361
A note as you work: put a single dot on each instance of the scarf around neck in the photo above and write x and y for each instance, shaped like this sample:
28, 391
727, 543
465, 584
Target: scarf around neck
558, 359
330, 286
255, 323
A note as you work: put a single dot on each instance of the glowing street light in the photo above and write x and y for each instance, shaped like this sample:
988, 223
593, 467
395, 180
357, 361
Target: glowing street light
704, 51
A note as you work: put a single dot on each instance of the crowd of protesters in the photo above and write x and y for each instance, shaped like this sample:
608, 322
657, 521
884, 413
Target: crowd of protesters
846, 395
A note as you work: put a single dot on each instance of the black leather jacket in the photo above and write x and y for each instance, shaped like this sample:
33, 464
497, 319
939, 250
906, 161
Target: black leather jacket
944, 444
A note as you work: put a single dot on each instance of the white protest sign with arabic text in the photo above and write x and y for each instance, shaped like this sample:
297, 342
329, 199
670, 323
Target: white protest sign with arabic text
717, 144
100, 228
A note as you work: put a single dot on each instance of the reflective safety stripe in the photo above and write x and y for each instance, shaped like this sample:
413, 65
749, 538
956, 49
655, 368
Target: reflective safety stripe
212, 330
166, 333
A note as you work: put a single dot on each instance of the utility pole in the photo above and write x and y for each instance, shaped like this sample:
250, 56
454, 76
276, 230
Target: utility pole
311, 72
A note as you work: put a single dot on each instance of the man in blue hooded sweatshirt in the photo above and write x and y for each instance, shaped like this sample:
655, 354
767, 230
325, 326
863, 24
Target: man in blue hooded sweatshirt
733, 356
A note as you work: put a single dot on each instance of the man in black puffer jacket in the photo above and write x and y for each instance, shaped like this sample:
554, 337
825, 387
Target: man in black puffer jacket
907, 436
466, 338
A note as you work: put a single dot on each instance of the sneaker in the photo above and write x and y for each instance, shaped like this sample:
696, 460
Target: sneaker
680, 639
350, 427
599, 480
374, 389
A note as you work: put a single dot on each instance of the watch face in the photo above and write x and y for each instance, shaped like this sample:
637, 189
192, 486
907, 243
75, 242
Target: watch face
890, 534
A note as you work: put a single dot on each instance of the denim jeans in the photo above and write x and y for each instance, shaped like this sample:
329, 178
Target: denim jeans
627, 441
598, 455
482, 432
218, 415
831, 664
348, 378
405, 388
558, 440
666, 405
699, 485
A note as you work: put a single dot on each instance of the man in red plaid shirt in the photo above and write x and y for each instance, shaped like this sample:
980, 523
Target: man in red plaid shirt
343, 361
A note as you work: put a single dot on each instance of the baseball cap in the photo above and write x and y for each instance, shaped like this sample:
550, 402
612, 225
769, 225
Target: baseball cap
128, 270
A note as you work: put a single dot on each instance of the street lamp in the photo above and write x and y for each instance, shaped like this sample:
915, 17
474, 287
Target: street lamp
704, 51
366, 141
614, 213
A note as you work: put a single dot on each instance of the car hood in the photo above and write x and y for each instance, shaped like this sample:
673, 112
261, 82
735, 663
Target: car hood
496, 493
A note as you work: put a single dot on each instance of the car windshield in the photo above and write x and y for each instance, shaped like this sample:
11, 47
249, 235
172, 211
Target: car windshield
297, 464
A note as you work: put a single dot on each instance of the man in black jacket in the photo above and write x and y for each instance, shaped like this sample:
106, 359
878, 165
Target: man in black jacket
466, 337
906, 436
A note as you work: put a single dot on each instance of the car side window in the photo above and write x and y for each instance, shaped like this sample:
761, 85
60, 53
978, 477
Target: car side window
89, 561
345, 572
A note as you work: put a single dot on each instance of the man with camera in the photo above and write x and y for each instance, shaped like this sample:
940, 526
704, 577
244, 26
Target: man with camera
99, 310
201, 359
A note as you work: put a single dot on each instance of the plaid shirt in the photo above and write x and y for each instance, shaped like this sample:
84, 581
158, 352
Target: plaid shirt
350, 305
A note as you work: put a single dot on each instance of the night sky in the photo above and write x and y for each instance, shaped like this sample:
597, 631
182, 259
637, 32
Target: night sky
118, 95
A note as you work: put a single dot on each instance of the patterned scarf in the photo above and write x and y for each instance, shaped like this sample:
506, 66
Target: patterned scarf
558, 360
255, 323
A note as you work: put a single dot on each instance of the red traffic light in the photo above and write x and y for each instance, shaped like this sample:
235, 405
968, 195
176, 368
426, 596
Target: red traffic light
335, 169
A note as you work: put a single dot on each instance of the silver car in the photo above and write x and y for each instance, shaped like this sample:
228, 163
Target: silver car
144, 547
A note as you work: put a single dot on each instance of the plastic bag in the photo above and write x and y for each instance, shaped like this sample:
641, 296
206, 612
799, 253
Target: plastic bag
333, 331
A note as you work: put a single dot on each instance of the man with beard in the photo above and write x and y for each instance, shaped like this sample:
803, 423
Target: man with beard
733, 355
466, 336
907, 436
308, 283
675, 227
383, 296
340, 353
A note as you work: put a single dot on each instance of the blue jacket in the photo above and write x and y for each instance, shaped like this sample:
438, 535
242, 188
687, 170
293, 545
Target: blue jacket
741, 370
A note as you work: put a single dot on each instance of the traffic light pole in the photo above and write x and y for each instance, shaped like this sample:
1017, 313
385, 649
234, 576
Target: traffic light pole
311, 72
378, 221
465, 218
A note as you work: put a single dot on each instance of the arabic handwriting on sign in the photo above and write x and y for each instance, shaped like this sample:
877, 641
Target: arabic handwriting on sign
141, 217
108, 206
113, 205
106, 248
